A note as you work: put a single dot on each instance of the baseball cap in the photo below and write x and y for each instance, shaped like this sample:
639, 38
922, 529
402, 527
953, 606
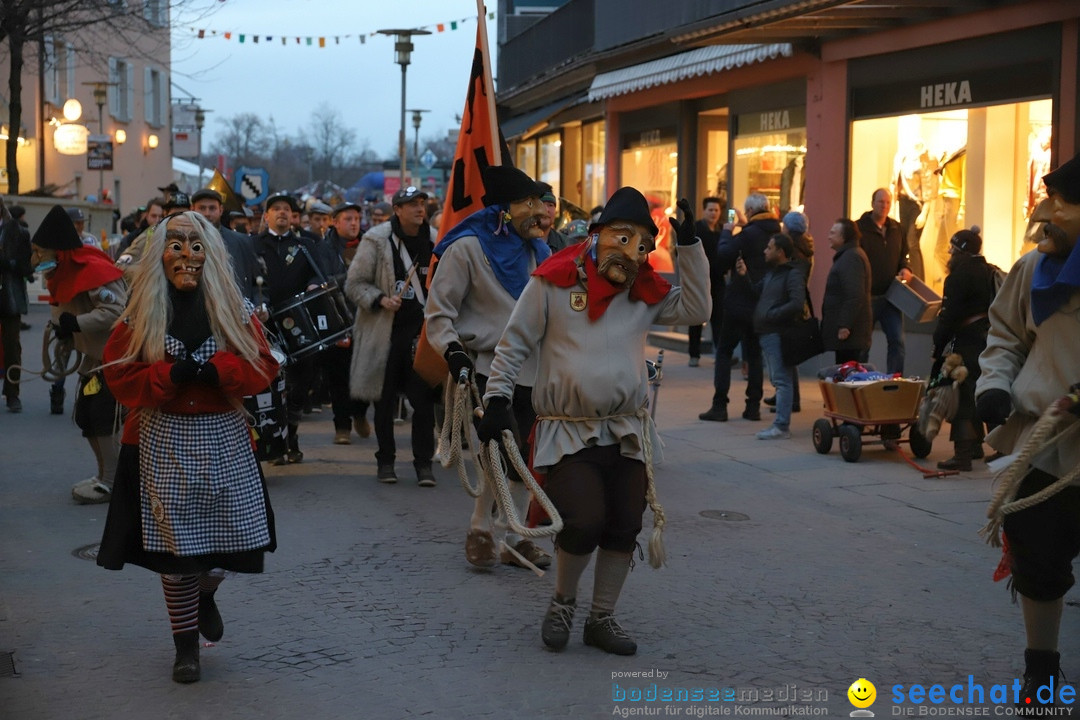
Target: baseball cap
408, 194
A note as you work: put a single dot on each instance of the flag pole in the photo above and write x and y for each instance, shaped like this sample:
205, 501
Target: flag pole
489, 84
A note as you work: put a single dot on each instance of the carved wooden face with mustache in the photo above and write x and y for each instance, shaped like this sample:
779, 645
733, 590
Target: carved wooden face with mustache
621, 248
184, 254
527, 216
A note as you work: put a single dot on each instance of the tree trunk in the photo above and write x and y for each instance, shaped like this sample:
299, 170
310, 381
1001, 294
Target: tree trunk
16, 43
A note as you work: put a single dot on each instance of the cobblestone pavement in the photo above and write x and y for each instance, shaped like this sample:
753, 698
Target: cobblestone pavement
790, 573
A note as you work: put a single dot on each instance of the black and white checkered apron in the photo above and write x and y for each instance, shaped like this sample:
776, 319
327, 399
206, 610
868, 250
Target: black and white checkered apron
200, 485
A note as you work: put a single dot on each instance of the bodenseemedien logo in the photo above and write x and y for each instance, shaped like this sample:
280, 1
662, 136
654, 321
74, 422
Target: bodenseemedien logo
862, 695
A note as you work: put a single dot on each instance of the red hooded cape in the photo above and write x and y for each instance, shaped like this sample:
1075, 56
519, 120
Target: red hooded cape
80, 270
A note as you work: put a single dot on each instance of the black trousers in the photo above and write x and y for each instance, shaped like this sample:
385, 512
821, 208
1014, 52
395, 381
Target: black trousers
735, 330
400, 377
335, 363
9, 336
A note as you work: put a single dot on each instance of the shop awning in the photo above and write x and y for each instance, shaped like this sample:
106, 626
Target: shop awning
521, 124
703, 61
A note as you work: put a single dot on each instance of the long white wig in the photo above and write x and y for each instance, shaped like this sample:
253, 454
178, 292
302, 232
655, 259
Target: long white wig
149, 311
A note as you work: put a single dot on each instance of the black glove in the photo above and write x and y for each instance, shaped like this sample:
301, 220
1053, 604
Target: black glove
461, 365
59, 332
69, 324
684, 231
496, 419
208, 375
184, 371
994, 407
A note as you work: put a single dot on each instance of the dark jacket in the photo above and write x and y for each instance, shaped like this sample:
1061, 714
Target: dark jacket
781, 299
14, 269
969, 290
804, 253
739, 298
288, 270
244, 261
847, 301
710, 241
887, 250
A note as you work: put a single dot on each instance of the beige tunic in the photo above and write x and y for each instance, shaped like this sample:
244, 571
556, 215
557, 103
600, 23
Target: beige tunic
96, 310
467, 304
592, 369
1035, 364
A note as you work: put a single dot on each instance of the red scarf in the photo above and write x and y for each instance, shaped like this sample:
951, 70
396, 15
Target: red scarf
561, 270
80, 270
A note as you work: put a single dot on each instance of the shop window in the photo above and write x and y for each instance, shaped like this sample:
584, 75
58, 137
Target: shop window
526, 157
712, 180
651, 164
593, 158
954, 169
550, 169
771, 164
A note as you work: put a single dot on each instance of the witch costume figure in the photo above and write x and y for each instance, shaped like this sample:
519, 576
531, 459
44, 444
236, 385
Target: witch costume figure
189, 500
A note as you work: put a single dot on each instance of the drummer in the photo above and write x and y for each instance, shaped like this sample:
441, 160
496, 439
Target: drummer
290, 268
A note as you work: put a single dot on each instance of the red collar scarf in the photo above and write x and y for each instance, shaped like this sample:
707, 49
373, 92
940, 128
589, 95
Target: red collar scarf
561, 270
80, 270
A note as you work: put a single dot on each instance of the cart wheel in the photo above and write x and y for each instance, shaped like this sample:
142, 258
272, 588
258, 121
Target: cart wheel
920, 446
823, 436
850, 442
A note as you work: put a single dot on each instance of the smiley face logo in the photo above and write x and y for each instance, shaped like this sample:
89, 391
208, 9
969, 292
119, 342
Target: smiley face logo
862, 693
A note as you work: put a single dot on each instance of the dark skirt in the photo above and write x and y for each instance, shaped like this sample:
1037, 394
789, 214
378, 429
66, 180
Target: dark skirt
122, 540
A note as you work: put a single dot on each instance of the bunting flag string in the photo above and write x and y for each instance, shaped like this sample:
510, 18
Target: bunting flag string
319, 40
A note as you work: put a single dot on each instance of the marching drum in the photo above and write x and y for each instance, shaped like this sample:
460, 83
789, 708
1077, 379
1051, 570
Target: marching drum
313, 321
267, 419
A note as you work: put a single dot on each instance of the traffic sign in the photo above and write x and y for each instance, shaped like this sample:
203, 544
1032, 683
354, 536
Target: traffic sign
252, 184
428, 159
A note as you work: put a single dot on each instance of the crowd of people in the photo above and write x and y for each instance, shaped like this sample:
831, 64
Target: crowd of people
196, 311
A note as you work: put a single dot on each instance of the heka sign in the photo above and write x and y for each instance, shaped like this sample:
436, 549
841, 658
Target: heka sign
945, 94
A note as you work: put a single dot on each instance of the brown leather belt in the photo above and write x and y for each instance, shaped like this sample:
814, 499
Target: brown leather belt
974, 319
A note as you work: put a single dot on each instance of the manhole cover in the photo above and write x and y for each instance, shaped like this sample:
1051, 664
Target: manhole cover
7, 664
87, 552
724, 515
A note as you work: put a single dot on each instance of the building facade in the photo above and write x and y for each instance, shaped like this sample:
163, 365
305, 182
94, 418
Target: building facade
958, 108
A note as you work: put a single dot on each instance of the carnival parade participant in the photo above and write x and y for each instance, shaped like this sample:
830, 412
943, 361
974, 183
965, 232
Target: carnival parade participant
88, 294
189, 501
291, 268
386, 281
585, 315
485, 262
1028, 365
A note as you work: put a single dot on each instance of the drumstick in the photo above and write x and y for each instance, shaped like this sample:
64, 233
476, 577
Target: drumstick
408, 279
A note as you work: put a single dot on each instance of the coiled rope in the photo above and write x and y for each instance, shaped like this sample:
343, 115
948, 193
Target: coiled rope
1008, 481
59, 358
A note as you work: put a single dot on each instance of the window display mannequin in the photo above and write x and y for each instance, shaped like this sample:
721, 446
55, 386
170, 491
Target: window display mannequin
792, 185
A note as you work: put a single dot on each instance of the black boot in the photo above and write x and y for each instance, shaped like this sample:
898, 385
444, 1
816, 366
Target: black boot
717, 413
1042, 667
961, 459
210, 624
293, 455
56, 400
185, 668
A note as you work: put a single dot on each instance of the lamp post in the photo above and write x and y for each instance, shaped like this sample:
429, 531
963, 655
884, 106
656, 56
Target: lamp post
101, 96
403, 48
200, 122
416, 118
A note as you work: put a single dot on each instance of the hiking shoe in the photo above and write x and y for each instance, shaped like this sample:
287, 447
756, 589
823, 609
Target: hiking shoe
694, 362
14, 405
955, 463
751, 414
91, 492
605, 633
294, 456
770, 401
528, 550
773, 433
341, 437
279, 461
362, 427
210, 624
424, 476
555, 630
717, 413
480, 548
386, 474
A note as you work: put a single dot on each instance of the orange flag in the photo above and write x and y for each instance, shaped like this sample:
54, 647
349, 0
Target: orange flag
478, 146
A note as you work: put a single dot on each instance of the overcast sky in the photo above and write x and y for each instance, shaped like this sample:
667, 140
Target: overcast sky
362, 80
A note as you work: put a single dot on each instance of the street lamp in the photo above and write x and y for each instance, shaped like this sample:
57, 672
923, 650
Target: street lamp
403, 48
416, 126
200, 122
101, 96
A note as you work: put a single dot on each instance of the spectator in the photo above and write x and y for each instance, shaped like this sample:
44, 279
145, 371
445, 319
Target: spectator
708, 229
846, 320
15, 268
887, 250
